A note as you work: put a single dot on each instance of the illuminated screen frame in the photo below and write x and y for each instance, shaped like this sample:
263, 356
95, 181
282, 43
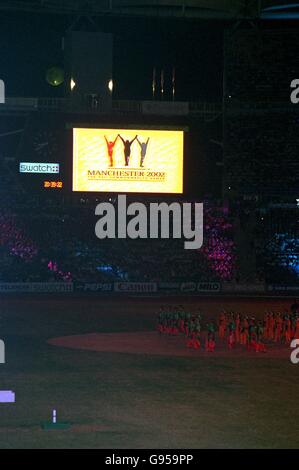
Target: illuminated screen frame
125, 174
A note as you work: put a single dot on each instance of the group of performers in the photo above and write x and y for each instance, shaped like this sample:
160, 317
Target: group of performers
127, 149
230, 328
176, 321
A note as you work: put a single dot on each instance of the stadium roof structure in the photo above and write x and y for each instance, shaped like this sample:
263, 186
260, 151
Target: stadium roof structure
201, 9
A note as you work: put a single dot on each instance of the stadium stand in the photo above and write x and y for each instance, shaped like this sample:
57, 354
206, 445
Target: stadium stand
54, 246
260, 122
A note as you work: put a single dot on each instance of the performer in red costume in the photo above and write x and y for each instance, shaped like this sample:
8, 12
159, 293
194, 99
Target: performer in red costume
260, 346
110, 148
237, 323
196, 336
222, 325
266, 325
244, 332
278, 329
210, 341
231, 340
287, 329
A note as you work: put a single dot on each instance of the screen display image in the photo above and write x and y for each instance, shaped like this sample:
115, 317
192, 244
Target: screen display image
126, 160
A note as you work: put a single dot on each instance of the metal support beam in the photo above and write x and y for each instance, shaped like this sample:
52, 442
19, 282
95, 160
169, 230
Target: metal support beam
204, 9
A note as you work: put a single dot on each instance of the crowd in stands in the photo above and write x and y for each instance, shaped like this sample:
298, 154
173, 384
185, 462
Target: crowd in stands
277, 245
283, 252
57, 245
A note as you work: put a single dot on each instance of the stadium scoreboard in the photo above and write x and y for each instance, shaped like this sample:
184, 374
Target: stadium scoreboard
128, 160
107, 159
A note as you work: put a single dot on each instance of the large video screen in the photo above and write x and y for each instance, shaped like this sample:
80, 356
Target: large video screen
126, 160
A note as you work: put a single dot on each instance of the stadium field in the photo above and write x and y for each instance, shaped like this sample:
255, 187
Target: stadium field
121, 398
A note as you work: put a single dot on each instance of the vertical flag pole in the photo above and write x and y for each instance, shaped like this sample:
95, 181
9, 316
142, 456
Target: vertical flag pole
154, 83
173, 83
162, 84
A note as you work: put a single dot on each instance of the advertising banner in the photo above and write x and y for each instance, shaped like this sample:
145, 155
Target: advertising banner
200, 287
169, 286
35, 287
135, 287
49, 168
282, 288
93, 287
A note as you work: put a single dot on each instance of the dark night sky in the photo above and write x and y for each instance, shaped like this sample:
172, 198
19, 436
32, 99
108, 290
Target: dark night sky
32, 43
